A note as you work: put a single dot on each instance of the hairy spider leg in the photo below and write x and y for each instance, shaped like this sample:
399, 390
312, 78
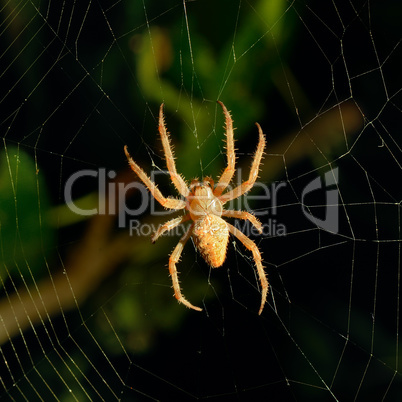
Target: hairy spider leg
167, 202
255, 166
173, 260
229, 213
250, 245
229, 171
176, 178
169, 225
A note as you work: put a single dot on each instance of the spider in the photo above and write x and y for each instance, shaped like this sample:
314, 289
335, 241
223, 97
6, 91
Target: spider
203, 204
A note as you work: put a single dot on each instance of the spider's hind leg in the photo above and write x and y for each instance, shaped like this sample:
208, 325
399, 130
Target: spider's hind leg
250, 245
173, 260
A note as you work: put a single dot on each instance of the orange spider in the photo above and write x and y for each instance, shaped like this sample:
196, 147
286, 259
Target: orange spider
204, 206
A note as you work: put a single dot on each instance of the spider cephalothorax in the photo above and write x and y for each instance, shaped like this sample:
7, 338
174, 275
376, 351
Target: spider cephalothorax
203, 203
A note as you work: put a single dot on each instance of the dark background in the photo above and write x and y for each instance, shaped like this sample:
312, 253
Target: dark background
80, 81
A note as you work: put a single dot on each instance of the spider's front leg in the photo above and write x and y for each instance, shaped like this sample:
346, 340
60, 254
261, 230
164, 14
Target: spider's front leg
170, 203
255, 166
173, 260
230, 153
176, 178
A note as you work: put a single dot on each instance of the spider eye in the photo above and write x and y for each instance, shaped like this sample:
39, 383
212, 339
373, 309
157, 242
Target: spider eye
194, 183
208, 182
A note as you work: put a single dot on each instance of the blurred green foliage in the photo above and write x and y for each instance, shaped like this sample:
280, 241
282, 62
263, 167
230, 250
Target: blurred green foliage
27, 237
234, 63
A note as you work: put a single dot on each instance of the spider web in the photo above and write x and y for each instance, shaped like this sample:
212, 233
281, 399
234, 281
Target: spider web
86, 307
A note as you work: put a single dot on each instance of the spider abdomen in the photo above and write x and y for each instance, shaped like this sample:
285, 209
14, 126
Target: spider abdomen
211, 236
